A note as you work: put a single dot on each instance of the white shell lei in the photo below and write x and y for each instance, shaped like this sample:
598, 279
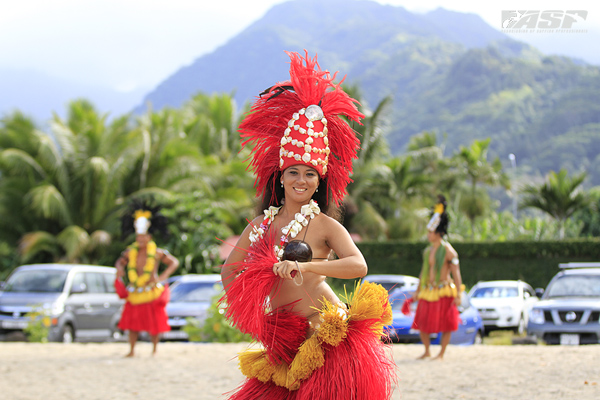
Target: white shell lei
301, 219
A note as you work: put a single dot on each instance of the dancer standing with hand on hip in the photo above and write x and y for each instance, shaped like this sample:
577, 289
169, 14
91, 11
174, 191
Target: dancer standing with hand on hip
146, 297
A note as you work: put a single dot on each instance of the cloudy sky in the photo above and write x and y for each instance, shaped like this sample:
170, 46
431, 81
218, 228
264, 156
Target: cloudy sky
132, 45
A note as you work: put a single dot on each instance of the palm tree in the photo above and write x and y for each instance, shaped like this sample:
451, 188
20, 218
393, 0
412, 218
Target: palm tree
559, 196
211, 123
428, 158
66, 183
473, 163
362, 216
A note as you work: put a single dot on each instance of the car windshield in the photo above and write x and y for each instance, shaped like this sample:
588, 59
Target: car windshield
194, 292
387, 285
398, 300
495, 292
574, 286
39, 280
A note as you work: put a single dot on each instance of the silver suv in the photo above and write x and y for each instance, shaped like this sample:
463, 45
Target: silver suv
569, 310
79, 299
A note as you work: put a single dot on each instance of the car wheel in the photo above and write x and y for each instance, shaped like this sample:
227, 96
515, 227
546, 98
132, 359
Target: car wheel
68, 334
478, 338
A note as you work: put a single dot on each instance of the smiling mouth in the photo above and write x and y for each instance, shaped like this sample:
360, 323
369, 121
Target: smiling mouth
299, 189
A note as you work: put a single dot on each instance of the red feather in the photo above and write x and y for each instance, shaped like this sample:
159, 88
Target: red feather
246, 296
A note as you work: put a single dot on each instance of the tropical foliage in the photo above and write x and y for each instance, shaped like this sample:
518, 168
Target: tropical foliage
62, 191
560, 196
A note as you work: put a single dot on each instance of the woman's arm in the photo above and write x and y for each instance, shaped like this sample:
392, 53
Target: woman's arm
350, 263
171, 262
452, 260
238, 254
121, 263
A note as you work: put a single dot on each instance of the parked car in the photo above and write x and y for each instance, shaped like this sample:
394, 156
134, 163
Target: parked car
392, 282
569, 310
503, 304
470, 329
191, 296
80, 300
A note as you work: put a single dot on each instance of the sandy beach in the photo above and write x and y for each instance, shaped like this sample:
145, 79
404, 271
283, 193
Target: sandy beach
31, 371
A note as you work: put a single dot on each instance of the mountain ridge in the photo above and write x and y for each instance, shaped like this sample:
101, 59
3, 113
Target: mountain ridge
447, 72
285, 27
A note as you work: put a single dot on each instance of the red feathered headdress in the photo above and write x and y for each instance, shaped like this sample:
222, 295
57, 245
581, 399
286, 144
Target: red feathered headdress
298, 122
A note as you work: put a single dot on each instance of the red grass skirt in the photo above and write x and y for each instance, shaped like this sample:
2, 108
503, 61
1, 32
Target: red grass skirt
355, 364
436, 316
359, 368
147, 317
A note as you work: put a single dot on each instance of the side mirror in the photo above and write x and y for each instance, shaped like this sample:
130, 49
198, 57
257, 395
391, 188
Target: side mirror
79, 288
539, 292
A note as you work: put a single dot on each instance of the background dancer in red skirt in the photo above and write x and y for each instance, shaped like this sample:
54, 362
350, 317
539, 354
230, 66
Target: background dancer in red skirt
439, 290
146, 296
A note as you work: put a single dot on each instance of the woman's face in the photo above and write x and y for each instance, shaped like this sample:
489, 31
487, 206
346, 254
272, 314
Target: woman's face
300, 182
143, 239
433, 237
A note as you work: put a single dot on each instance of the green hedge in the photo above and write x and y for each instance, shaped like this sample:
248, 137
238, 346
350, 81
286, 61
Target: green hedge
533, 262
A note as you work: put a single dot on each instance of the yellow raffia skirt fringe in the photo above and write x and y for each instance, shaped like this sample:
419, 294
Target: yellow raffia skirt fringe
369, 301
145, 296
432, 293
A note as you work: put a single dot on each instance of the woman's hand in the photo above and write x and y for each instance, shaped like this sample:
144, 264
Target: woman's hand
286, 269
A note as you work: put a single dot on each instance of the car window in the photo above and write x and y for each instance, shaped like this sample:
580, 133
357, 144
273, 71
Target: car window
109, 281
194, 291
398, 300
39, 280
95, 282
574, 285
495, 292
390, 285
465, 302
79, 282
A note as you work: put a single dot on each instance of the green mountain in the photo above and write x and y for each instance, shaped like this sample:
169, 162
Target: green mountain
447, 72
545, 110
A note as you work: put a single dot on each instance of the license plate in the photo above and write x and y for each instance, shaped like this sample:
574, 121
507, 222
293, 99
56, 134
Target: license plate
569, 339
175, 335
14, 324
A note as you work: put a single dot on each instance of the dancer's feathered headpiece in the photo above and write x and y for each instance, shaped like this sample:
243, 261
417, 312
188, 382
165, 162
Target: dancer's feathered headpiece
143, 210
298, 122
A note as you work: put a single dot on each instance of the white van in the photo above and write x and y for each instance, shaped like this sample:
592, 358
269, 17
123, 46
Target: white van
79, 299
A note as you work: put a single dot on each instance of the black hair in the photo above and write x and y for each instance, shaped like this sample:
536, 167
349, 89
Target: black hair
442, 227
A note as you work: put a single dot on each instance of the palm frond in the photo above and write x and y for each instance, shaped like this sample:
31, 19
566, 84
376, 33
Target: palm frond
47, 202
33, 243
18, 162
75, 240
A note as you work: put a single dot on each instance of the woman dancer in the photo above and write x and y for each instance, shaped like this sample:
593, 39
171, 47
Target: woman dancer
314, 345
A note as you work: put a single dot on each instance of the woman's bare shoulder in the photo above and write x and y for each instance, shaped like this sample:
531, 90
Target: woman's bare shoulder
450, 250
329, 228
325, 221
